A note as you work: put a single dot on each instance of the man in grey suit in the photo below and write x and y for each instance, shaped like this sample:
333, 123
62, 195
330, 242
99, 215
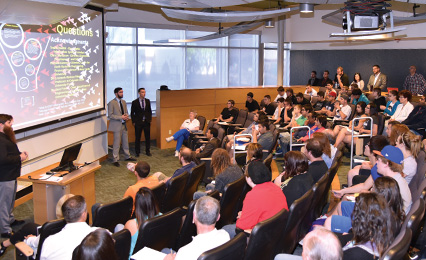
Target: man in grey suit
377, 80
118, 115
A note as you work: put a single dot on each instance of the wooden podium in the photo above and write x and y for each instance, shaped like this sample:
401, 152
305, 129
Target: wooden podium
46, 193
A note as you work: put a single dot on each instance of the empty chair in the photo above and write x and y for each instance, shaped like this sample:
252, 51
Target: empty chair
239, 122
229, 202
174, 193
202, 121
194, 180
110, 214
122, 243
399, 247
232, 250
160, 232
188, 229
208, 174
159, 192
265, 235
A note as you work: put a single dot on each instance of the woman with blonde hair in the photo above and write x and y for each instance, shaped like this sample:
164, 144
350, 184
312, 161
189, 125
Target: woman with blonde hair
410, 145
329, 151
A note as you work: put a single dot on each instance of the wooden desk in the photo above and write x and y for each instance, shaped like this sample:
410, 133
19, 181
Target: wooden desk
47, 193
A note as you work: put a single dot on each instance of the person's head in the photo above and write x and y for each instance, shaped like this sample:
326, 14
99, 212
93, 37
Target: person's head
192, 114
412, 69
306, 109
280, 102
280, 90
256, 115
321, 244
142, 169
295, 163
339, 71
389, 189
263, 126
329, 86
343, 99
313, 74
393, 95
142, 92
357, 77
320, 95
98, 245
6, 122
422, 99
373, 221
360, 108
389, 159
405, 96
410, 142
254, 152
354, 86
288, 102
377, 92
145, 205
344, 90
261, 116
289, 92
185, 155
321, 121
230, 104
308, 88
220, 161
376, 69
118, 92
74, 209
257, 173
60, 203
325, 74
313, 149
356, 93
206, 211
297, 109
389, 128
325, 143
396, 131
332, 96
311, 117
267, 99
250, 97
371, 109
376, 143
299, 97
212, 132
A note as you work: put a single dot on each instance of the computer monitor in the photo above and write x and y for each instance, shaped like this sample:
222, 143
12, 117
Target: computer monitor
69, 156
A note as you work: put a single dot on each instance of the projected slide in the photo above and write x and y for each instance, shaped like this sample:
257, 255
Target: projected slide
52, 71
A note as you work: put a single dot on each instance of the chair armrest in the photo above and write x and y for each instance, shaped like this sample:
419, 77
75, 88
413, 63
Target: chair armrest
206, 159
235, 124
203, 142
200, 137
24, 249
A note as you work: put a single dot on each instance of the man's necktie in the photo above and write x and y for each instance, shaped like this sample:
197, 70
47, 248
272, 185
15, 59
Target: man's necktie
121, 107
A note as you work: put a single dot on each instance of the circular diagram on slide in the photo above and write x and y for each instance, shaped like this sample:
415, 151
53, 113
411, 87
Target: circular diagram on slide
17, 58
29, 70
11, 35
24, 83
32, 49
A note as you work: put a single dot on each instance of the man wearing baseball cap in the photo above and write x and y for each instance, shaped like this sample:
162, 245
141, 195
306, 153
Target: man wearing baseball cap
328, 108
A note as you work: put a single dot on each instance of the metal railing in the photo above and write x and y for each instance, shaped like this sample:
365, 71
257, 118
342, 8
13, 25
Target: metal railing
353, 135
291, 135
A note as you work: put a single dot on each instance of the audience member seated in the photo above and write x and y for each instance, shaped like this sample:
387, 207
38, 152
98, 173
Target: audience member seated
207, 149
321, 101
62, 244
310, 115
189, 125
281, 93
263, 135
290, 94
379, 100
358, 96
301, 100
263, 201
297, 120
319, 244
229, 113
325, 79
224, 172
317, 166
404, 108
269, 108
287, 112
410, 145
294, 180
145, 208
254, 153
206, 214
392, 104
313, 80
186, 159
328, 108
251, 104
310, 91
330, 89
341, 78
342, 110
360, 173
320, 126
374, 228
28, 232
329, 151
359, 82
344, 90
389, 163
97, 245
277, 114
417, 118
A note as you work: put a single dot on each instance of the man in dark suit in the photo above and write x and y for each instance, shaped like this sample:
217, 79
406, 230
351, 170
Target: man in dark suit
314, 81
213, 143
141, 114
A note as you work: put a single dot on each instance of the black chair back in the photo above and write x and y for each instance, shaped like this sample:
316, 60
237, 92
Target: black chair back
249, 120
418, 177
188, 229
265, 235
202, 121
399, 247
208, 174
422, 189
242, 116
320, 190
381, 124
174, 193
232, 250
353, 107
268, 161
160, 232
289, 238
229, 201
48, 229
415, 216
215, 194
239, 207
159, 192
109, 215
122, 240
194, 180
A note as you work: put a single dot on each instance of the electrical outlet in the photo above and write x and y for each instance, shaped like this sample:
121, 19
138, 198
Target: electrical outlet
170, 132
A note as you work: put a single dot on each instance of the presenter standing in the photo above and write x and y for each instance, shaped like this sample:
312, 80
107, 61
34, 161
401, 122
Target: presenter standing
118, 115
141, 118
10, 169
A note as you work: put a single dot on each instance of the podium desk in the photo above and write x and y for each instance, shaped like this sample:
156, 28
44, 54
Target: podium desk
46, 193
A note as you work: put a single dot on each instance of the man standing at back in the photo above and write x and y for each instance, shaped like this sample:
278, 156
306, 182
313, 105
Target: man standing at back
118, 115
377, 80
141, 118
61, 245
415, 82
